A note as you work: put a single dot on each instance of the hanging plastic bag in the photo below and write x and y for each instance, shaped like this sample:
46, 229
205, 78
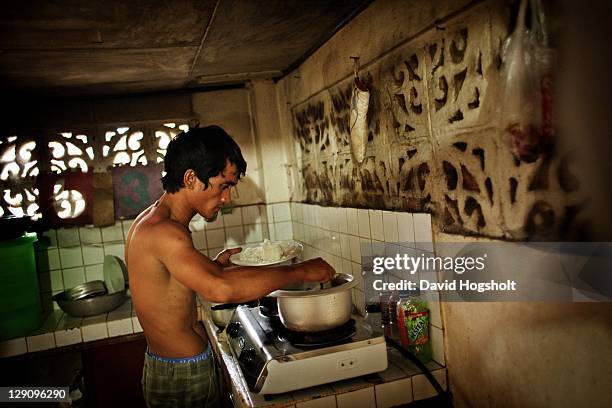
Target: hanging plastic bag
544, 62
521, 113
358, 128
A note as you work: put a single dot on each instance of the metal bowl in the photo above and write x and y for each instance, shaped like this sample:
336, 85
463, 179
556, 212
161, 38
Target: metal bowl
91, 288
90, 306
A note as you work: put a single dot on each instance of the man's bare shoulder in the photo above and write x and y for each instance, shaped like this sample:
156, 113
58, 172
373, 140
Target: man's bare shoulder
155, 229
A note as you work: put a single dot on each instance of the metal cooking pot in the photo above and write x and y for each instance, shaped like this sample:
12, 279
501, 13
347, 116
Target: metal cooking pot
311, 308
221, 313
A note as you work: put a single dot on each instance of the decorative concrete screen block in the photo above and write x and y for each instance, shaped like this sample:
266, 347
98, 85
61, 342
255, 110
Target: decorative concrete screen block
433, 140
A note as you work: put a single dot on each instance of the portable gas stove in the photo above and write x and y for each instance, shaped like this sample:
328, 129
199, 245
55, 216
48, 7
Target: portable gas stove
274, 359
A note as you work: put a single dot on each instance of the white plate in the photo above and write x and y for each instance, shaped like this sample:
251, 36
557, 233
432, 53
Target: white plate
114, 274
291, 249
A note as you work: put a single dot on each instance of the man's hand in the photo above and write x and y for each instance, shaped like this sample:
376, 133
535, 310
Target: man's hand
317, 270
223, 257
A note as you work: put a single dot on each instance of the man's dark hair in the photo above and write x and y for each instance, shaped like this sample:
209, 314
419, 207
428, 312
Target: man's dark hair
205, 150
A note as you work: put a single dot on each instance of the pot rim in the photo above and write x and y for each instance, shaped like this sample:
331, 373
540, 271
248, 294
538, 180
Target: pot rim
349, 283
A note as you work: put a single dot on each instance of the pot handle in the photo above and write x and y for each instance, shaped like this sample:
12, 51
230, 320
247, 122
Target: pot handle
226, 306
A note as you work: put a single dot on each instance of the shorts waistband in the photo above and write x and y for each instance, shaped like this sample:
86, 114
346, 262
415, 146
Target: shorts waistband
205, 355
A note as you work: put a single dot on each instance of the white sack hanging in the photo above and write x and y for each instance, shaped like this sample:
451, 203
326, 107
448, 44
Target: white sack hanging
358, 129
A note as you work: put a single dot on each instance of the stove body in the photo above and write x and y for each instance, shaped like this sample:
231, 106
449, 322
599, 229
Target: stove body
273, 364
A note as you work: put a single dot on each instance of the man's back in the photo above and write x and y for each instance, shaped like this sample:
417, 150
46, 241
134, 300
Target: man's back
166, 308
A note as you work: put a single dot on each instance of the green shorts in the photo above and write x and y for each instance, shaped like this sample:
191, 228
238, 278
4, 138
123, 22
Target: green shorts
180, 382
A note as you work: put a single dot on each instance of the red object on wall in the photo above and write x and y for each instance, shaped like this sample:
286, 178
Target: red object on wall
73, 180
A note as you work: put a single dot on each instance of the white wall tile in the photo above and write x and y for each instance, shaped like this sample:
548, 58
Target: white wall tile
120, 327
253, 233
346, 267
272, 231
394, 393
332, 219
40, 342
13, 347
363, 223
68, 331
92, 254
422, 388
136, 325
282, 212
94, 328
234, 236
112, 233
216, 224
68, 337
355, 248
405, 228
116, 249
71, 257
234, 218
270, 212
362, 398
263, 212
318, 216
422, 232
215, 238
345, 246
297, 212
251, 215
73, 276
90, 235
94, 272
68, 237
376, 225
334, 245
47, 260
284, 231
390, 226
341, 217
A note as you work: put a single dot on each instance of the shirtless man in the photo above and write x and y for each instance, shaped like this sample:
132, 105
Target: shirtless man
166, 271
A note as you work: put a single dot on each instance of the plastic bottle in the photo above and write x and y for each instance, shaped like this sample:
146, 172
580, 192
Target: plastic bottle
393, 307
400, 317
383, 300
416, 318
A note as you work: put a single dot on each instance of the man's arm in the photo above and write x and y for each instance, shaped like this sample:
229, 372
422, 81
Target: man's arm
224, 285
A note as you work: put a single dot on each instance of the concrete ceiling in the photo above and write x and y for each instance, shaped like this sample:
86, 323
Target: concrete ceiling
113, 47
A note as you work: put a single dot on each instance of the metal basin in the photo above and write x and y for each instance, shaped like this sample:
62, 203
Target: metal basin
91, 288
90, 306
311, 308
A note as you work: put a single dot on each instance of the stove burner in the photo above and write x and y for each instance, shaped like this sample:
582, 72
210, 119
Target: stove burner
329, 337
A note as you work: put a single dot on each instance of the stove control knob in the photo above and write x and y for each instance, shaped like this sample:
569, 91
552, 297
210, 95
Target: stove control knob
233, 329
247, 356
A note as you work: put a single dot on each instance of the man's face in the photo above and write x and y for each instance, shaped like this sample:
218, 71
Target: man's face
208, 201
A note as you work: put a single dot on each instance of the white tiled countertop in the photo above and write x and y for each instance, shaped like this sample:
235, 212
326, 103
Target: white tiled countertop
399, 384
61, 329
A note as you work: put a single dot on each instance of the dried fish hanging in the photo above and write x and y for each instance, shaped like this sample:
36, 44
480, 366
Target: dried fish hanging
358, 128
